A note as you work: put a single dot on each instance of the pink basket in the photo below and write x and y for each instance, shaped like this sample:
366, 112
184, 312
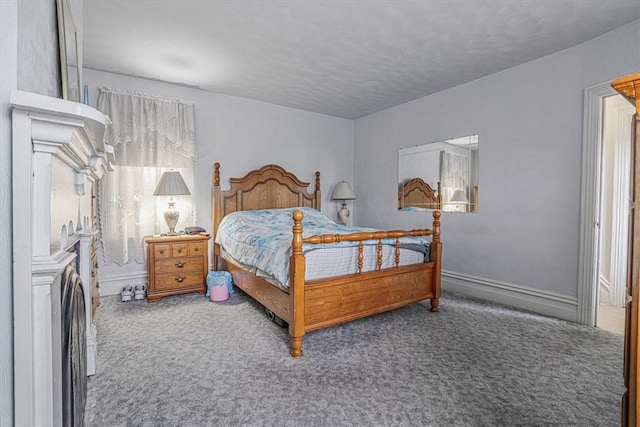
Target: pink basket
219, 293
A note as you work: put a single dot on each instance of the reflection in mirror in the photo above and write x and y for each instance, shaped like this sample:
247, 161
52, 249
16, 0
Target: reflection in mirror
440, 175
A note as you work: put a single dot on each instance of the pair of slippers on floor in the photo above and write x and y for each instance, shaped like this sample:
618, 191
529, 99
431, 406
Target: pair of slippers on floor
137, 293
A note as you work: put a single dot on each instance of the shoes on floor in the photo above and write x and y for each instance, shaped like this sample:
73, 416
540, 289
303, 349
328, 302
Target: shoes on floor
140, 292
127, 293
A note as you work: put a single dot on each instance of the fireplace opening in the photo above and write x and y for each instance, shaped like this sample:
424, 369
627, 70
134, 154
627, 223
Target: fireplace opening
74, 349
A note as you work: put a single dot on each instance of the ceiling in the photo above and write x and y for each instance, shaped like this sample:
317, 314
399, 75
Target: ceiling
341, 58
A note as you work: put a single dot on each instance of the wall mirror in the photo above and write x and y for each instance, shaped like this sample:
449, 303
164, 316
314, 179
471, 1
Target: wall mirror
69, 55
440, 175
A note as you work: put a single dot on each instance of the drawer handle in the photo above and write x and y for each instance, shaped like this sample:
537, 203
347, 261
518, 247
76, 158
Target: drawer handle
161, 251
197, 249
180, 264
179, 279
179, 251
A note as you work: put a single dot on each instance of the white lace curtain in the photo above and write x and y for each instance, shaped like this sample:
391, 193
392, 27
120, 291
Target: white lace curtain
454, 176
150, 134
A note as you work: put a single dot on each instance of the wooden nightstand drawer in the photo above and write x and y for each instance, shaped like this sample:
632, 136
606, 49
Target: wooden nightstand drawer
170, 281
179, 249
197, 248
162, 251
179, 265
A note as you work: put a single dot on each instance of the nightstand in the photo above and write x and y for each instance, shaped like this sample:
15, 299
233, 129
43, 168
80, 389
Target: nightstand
177, 265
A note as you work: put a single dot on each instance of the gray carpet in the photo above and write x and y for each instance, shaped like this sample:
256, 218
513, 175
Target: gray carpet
187, 361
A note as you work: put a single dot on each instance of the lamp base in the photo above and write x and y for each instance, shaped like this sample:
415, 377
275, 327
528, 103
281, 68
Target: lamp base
343, 214
171, 216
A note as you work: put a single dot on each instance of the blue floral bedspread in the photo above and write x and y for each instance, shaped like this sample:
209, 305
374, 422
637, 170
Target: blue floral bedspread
262, 238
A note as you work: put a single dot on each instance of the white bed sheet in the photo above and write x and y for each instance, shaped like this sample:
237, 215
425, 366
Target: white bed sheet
340, 261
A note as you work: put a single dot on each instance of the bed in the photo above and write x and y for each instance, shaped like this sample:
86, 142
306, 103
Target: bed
415, 194
311, 304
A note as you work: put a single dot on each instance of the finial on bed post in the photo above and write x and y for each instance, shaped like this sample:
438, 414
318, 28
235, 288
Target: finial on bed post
297, 233
296, 287
436, 225
216, 174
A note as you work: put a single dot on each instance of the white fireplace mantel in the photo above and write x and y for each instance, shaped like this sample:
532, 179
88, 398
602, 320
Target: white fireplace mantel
46, 131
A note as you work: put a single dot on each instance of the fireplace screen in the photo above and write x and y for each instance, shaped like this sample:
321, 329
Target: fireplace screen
74, 349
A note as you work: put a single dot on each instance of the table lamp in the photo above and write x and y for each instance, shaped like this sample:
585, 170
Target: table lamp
459, 199
343, 192
171, 184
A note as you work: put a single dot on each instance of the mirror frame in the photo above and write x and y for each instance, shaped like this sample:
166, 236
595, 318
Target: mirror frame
69, 55
429, 176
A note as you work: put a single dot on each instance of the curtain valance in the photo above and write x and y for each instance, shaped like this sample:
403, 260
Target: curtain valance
149, 130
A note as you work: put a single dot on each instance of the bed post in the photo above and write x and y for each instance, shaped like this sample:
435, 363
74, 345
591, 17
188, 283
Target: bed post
215, 213
296, 287
316, 194
436, 255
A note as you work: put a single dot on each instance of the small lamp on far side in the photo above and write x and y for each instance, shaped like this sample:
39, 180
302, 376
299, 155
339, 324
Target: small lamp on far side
459, 199
171, 184
343, 192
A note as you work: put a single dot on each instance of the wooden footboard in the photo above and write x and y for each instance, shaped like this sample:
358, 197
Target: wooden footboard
339, 300
327, 302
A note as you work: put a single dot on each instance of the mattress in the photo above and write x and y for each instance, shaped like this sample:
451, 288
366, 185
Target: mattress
260, 241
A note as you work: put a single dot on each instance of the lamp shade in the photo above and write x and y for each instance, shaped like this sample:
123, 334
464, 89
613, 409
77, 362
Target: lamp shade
459, 197
171, 184
343, 192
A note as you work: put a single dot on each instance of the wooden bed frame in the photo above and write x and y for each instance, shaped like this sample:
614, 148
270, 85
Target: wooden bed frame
416, 192
326, 302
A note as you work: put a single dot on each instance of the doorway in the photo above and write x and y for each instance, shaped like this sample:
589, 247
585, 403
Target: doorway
604, 208
615, 180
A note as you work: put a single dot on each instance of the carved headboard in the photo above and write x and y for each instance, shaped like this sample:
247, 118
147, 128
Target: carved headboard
269, 187
416, 192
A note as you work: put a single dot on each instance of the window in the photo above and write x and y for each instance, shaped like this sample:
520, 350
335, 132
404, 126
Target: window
150, 134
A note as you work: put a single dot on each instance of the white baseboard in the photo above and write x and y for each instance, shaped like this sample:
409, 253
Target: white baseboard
112, 285
542, 302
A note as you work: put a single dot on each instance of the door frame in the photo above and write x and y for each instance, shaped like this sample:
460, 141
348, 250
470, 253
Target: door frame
588, 274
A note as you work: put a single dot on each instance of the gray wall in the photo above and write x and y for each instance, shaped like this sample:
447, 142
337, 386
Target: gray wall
29, 61
529, 120
242, 134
